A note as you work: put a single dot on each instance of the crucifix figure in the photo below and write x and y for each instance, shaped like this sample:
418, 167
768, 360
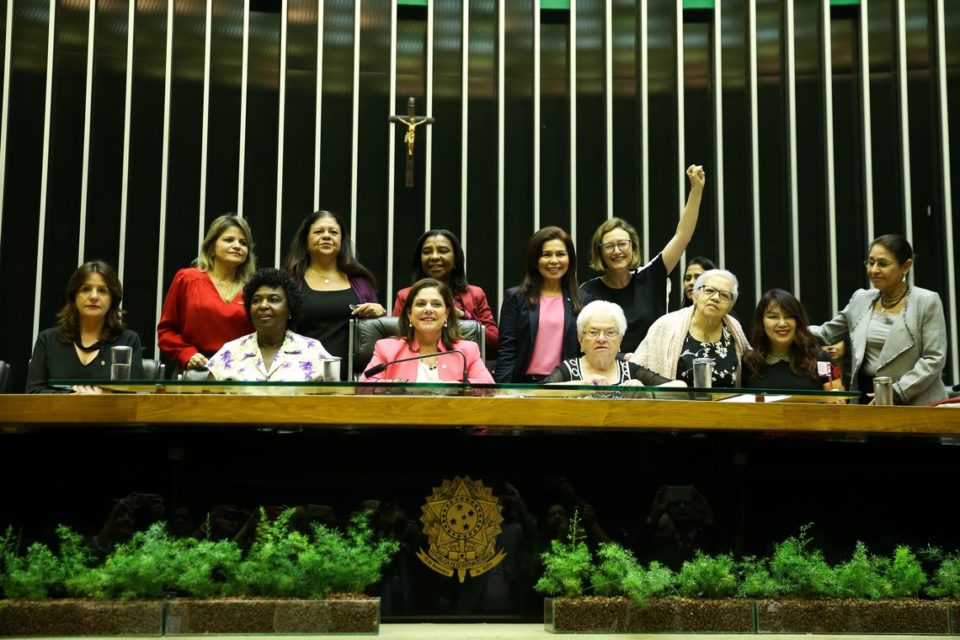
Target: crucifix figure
412, 121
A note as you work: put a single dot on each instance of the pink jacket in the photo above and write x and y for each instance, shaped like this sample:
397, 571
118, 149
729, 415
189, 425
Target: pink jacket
450, 367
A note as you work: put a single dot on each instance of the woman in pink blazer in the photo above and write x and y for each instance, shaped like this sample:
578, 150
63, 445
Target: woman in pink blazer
427, 329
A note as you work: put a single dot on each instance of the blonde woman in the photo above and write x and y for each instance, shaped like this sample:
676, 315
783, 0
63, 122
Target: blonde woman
204, 309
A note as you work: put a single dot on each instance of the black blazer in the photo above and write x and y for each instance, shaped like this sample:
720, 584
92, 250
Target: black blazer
518, 331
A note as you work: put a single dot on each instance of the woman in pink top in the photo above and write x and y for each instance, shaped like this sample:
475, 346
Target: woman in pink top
427, 329
538, 319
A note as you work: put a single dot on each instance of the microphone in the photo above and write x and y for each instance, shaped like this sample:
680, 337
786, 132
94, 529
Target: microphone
379, 368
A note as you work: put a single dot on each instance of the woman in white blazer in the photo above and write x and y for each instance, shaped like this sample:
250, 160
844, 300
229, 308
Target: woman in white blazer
895, 329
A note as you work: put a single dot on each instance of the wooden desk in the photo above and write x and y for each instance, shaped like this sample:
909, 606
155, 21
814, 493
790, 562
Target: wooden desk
428, 412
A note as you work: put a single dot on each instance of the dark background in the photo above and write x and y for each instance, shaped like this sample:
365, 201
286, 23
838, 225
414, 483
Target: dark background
146, 244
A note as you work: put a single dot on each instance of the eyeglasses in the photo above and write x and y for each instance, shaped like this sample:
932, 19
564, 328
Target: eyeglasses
726, 296
883, 264
611, 334
622, 245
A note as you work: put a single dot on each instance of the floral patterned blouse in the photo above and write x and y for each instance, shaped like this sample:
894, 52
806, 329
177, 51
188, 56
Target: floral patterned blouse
723, 352
299, 359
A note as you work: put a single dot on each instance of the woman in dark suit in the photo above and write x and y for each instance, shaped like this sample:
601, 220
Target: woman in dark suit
538, 319
88, 325
895, 329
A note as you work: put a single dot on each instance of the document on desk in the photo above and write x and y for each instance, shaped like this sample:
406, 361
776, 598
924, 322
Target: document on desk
751, 397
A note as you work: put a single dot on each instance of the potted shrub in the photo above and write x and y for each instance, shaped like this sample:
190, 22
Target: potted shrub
288, 582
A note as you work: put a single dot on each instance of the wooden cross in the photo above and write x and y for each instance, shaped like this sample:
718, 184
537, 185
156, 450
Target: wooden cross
412, 121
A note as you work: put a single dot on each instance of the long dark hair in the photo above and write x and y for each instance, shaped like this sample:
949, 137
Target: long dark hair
297, 260
451, 329
533, 279
803, 351
68, 318
458, 275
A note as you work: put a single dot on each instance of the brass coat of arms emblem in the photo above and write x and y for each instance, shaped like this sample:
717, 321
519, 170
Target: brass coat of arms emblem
461, 519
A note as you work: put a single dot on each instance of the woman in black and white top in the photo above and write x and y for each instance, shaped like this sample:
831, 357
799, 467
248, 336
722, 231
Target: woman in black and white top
600, 328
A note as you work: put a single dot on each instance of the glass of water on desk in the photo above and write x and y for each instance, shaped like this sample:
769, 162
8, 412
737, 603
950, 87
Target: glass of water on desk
120, 360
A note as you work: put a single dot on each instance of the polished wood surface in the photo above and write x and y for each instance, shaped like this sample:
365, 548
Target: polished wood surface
405, 411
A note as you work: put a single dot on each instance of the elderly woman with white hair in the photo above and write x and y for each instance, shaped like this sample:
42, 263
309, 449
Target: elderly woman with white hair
704, 330
600, 328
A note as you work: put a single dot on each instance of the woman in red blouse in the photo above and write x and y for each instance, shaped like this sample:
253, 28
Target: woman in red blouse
204, 306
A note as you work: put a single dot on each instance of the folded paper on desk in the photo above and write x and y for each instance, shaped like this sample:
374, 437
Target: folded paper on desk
750, 397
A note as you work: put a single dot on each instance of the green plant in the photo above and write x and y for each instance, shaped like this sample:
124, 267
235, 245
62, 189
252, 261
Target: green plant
707, 577
905, 574
283, 562
946, 579
862, 576
656, 579
567, 564
619, 573
798, 570
755, 580
41, 573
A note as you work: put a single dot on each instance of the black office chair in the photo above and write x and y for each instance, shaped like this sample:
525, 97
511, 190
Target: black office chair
153, 369
364, 333
4, 377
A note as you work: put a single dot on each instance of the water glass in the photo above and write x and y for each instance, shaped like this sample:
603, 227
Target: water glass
120, 360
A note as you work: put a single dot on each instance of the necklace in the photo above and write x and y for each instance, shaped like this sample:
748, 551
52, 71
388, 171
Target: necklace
889, 304
320, 274
774, 359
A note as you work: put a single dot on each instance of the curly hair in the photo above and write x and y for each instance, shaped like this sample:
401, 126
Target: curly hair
275, 279
68, 318
803, 351
451, 329
458, 275
297, 260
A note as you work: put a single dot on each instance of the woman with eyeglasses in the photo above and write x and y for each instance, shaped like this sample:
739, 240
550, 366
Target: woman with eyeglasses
640, 291
600, 326
704, 330
895, 329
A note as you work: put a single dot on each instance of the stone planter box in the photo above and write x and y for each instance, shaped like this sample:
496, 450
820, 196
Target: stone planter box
853, 616
594, 614
220, 616
71, 617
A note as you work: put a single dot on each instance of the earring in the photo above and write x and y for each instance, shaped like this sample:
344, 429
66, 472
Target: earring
444, 324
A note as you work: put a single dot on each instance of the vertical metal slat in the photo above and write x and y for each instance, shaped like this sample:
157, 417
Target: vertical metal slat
645, 128
428, 178
281, 125
827, 49
867, 129
164, 168
87, 114
572, 45
754, 150
792, 147
904, 125
356, 126
244, 81
536, 115
319, 111
391, 152
718, 129
608, 101
127, 115
205, 131
7, 46
501, 118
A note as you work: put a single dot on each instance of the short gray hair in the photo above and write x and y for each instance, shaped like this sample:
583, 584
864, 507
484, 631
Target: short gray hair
710, 273
602, 306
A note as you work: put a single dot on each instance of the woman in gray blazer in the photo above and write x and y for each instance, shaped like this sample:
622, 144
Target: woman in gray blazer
895, 329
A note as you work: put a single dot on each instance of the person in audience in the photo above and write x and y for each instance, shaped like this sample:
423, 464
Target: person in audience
204, 305
704, 330
640, 292
695, 267
895, 329
336, 287
428, 326
438, 255
785, 353
538, 318
272, 301
600, 327
88, 325
679, 524
839, 354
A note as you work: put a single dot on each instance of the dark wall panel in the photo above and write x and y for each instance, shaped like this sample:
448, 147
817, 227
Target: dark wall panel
554, 119
337, 124
446, 187
482, 145
518, 141
374, 90
409, 202
65, 164
21, 198
263, 116
627, 150
811, 162
737, 149
107, 134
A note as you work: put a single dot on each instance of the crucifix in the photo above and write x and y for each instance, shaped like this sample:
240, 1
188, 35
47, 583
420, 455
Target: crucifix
412, 121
